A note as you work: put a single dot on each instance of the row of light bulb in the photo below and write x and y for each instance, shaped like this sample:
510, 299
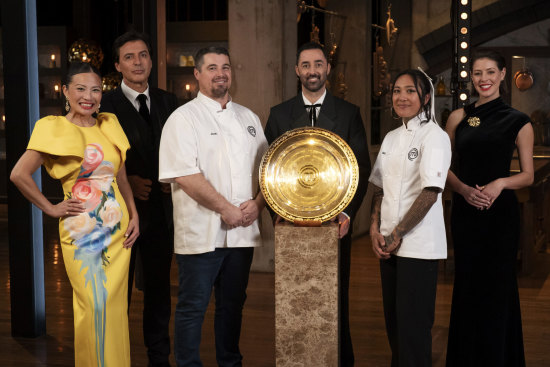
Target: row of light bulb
464, 45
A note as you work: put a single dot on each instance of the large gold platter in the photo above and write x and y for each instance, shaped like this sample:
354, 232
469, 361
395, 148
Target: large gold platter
308, 175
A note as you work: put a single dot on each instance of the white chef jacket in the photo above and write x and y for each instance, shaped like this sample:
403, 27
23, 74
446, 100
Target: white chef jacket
225, 146
412, 158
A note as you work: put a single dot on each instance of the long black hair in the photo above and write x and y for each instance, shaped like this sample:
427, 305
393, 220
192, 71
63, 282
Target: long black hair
423, 89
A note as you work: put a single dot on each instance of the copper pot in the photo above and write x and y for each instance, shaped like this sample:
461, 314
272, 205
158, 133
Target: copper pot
523, 79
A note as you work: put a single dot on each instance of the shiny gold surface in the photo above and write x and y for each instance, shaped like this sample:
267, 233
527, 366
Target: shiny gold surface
86, 51
308, 174
474, 121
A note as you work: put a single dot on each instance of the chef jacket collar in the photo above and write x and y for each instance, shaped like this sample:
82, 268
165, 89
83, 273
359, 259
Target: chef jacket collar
416, 122
213, 105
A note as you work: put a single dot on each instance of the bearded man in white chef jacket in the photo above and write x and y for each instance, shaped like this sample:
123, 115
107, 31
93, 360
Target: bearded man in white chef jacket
210, 151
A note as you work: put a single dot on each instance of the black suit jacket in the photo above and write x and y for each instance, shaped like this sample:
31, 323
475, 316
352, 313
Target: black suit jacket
336, 115
142, 158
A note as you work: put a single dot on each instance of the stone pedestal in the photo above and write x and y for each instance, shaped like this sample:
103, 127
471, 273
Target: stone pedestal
306, 295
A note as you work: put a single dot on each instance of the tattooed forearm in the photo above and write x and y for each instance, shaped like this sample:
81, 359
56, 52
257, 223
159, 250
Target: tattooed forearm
417, 211
377, 196
389, 240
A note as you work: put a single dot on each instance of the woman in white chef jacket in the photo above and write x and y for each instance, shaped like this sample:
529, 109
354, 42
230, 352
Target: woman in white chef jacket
407, 229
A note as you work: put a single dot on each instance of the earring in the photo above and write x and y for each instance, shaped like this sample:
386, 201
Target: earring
67, 105
98, 107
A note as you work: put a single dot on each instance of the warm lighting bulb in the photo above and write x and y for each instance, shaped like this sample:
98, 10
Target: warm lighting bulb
464, 45
187, 87
53, 57
463, 74
463, 96
3, 118
463, 30
463, 59
464, 16
464, 2
56, 88
84, 57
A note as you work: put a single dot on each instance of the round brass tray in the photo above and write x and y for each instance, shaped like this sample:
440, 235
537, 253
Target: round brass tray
308, 175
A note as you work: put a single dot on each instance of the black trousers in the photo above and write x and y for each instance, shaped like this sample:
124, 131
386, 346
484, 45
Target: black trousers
347, 358
408, 290
155, 245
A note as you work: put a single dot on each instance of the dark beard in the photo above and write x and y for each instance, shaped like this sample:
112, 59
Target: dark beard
315, 87
219, 91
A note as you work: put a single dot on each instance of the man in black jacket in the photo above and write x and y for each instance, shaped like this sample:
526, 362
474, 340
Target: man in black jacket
142, 111
316, 106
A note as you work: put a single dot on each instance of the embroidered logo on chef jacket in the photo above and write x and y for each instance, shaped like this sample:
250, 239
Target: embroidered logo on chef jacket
251, 131
413, 154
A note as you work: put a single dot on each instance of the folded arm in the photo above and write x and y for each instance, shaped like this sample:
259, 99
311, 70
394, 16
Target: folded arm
415, 214
200, 190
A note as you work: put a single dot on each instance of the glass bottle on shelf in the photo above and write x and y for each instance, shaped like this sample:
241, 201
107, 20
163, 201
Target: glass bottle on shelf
445, 115
440, 88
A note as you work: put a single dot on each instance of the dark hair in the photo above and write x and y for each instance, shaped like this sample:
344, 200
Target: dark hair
78, 67
423, 89
498, 59
199, 57
310, 46
129, 37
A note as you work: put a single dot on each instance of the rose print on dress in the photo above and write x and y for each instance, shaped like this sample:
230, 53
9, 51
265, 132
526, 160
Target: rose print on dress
80, 225
91, 231
110, 213
88, 192
93, 156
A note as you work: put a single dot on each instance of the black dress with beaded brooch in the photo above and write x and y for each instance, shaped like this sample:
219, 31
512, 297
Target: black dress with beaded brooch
485, 327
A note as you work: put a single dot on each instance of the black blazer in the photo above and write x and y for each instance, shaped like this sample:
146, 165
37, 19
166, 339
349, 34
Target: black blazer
142, 158
336, 115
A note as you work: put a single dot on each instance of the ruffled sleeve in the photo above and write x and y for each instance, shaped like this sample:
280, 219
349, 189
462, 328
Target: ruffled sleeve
61, 141
56, 136
109, 125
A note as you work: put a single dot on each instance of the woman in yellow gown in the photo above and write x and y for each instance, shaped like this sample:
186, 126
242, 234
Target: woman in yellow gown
98, 218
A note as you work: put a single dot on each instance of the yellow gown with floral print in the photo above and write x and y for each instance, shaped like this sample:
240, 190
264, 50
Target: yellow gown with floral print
86, 161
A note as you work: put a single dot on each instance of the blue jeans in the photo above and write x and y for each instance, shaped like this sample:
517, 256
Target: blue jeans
225, 269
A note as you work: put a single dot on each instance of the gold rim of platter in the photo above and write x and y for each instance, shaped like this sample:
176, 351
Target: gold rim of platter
309, 174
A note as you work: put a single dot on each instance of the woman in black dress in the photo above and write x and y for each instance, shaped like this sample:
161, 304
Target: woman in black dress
485, 327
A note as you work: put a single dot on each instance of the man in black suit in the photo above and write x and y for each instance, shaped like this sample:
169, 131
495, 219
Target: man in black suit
142, 111
316, 106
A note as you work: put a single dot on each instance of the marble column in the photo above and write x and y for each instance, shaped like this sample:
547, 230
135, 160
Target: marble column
306, 295
262, 43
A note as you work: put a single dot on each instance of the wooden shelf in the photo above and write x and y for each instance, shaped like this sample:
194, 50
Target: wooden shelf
50, 102
180, 70
50, 71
